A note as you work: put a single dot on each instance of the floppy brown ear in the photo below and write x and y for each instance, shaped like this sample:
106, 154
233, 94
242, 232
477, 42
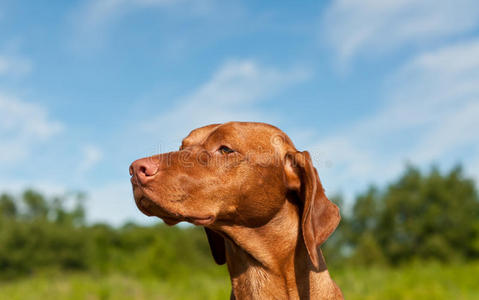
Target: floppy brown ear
320, 217
217, 246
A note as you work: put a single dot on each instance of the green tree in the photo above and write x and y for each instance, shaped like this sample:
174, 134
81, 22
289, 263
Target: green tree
363, 225
36, 204
430, 216
7, 206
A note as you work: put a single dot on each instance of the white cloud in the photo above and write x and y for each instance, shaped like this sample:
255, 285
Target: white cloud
14, 65
91, 156
430, 115
359, 27
230, 95
22, 126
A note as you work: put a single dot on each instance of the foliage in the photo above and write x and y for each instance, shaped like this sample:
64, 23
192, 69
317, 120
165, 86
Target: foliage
38, 233
420, 216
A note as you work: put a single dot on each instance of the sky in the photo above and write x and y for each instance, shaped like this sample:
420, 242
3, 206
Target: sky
366, 86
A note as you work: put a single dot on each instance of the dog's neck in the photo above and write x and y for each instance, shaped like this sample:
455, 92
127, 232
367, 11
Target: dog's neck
271, 261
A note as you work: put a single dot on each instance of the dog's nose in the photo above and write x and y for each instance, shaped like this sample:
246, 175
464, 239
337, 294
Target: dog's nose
144, 169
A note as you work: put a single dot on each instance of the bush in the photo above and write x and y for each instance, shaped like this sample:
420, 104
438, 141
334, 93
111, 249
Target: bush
420, 216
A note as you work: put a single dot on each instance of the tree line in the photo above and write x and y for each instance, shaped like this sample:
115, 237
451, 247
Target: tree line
419, 216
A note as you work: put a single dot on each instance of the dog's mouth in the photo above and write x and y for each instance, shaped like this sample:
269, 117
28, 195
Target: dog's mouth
150, 208
200, 221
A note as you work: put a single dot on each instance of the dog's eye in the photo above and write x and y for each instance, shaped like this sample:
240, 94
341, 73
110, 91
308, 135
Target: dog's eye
225, 150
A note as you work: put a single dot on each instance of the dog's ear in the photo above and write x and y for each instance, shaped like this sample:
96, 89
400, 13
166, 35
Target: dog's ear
319, 216
217, 246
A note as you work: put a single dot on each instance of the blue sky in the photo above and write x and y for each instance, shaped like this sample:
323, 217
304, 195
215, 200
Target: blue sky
366, 86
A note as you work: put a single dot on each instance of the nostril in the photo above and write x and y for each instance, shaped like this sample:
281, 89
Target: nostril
142, 170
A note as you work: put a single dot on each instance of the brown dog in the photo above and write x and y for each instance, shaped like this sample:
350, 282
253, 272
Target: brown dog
260, 200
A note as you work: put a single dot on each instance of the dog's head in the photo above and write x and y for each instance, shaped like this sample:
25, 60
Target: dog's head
234, 174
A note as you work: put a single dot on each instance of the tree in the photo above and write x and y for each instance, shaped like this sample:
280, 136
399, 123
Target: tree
36, 204
428, 216
7, 206
363, 228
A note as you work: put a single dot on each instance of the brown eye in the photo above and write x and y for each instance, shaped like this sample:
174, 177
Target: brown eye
225, 150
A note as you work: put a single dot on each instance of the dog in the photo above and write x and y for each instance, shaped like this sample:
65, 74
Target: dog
260, 201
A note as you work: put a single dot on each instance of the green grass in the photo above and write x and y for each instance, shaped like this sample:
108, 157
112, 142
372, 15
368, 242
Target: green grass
114, 286
414, 281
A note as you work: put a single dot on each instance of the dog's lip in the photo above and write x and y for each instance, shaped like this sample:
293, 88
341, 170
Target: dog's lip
202, 221
134, 181
169, 219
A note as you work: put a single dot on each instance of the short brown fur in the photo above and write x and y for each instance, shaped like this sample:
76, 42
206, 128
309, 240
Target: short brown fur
260, 201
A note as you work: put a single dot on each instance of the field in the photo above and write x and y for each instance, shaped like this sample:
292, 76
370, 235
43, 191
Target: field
413, 281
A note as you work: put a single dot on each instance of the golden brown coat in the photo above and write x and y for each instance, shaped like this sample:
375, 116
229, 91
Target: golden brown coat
260, 201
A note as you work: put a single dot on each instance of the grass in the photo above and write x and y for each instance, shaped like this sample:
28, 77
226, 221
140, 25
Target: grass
414, 281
